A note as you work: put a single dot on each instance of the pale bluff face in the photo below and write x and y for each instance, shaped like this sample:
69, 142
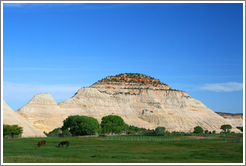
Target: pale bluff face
140, 100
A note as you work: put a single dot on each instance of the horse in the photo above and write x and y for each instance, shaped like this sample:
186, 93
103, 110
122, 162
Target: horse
64, 143
41, 142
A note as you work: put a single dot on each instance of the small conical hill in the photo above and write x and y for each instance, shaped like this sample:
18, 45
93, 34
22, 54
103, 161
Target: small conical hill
10, 117
43, 112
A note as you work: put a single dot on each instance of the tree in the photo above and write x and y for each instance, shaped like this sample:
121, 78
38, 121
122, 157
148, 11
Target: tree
6, 130
160, 130
240, 128
12, 130
198, 129
112, 123
66, 133
134, 129
206, 131
226, 128
81, 125
126, 128
54, 133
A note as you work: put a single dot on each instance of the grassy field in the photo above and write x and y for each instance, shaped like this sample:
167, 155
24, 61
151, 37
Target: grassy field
124, 149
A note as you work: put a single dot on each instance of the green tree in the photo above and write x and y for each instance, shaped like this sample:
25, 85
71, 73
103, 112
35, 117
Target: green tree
81, 125
213, 132
66, 133
240, 128
134, 129
12, 130
126, 128
226, 128
206, 131
198, 129
6, 130
54, 133
160, 130
112, 123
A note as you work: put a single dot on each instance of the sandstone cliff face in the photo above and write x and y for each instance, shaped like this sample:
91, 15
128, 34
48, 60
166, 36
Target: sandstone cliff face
235, 119
176, 111
140, 100
43, 112
143, 103
10, 117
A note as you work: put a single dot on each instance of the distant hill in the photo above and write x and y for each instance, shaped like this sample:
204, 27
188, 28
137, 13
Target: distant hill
229, 114
235, 119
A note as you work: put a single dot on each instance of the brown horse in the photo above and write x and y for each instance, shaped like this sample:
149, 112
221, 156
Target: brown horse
41, 142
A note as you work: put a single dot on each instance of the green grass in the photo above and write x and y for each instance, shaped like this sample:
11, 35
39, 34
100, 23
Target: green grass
100, 150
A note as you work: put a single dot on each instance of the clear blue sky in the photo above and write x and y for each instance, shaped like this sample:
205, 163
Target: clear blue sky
59, 48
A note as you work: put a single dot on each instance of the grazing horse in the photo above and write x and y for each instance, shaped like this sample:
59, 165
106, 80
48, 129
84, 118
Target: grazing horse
64, 143
41, 142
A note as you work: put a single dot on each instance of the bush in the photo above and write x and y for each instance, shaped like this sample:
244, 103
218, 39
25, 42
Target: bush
58, 132
149, 132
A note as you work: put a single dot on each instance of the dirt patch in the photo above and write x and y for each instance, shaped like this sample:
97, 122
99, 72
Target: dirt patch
203, 137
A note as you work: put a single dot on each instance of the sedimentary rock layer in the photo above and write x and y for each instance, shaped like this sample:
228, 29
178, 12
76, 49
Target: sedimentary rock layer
10, 117
235, 119
140, 100
43, 112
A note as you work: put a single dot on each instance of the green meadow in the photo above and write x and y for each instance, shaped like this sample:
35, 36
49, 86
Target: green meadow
124, 149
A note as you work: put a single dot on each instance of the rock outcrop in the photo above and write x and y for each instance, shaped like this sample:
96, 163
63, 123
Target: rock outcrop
235, 119
140, 100
10, 117
43, 112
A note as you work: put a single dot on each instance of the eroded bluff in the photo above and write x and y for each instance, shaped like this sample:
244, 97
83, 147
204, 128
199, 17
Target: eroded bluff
10, 117
140, 100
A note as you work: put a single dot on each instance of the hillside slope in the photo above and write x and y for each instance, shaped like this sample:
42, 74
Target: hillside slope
10, 117
140, 100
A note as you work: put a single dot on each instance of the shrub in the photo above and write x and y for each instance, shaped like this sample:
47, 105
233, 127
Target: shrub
149, 132
58, 132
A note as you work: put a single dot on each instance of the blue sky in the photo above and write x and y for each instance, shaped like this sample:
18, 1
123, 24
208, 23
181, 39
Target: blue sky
59, 48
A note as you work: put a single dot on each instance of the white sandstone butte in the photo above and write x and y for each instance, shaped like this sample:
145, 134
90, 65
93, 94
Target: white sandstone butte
140, 100
10, 117
43, 112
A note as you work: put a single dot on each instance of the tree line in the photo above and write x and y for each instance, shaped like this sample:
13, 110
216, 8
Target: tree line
83, 125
